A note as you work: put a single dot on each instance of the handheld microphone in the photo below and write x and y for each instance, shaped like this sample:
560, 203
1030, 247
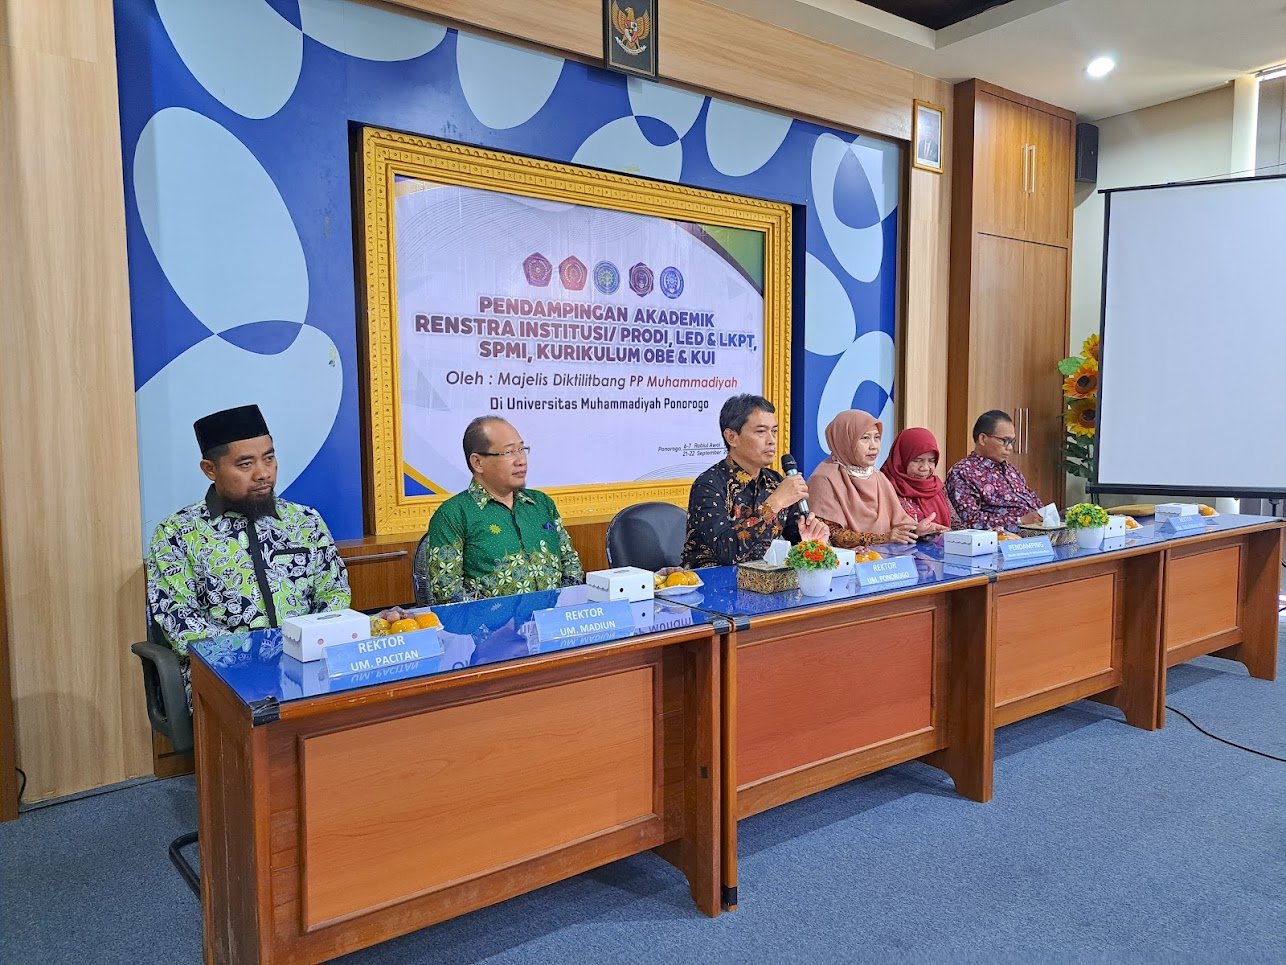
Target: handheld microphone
791, 468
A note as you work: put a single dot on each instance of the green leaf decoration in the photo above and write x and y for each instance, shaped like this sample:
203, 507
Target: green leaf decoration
1070, 366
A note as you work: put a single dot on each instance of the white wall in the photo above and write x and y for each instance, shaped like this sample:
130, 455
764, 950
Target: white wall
1179, 141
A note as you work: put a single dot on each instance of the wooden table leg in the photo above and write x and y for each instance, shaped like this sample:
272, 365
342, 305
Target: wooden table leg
728, 768
1141, 694
970, 756
1261, 574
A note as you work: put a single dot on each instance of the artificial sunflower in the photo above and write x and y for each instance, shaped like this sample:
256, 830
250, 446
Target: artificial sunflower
1084, 382
1081, 417
1089, 348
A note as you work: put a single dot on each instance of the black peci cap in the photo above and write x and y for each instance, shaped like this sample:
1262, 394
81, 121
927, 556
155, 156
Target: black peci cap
230, 425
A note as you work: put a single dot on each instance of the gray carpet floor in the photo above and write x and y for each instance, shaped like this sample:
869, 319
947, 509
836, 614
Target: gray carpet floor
1103, 844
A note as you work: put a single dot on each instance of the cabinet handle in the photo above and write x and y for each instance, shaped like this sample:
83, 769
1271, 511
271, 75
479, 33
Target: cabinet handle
1026, 154
375, 557
1027, 411
1033, 168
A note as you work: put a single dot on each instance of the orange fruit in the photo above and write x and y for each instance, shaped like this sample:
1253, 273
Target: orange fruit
675, 579
404, 626
426, 621
1130, 523
1205, 510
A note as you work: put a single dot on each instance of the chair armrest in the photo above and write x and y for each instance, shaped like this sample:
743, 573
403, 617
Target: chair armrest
167, 699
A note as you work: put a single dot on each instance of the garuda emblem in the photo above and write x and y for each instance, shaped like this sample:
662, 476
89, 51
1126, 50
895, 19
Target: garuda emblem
631, 31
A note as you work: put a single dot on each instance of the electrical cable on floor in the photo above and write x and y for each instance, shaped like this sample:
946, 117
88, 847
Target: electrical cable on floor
23, 786
1223, 740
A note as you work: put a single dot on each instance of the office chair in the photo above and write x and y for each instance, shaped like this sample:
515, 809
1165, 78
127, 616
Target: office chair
418, 581
171, 716
649, 536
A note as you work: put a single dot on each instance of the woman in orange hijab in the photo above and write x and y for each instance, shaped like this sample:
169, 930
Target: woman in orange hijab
849, 494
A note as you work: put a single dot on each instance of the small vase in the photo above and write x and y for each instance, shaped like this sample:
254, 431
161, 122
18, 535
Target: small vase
814, 582
1090, 537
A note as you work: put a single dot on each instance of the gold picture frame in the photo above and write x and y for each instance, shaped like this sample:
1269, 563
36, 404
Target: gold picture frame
926, 136
386, 154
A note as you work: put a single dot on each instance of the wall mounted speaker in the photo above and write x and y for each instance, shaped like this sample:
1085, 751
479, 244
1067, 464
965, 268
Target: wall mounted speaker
1087, 152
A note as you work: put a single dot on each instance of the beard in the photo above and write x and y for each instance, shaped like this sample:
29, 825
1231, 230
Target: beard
254, 507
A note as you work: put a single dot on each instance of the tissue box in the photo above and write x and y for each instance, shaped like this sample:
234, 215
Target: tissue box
623, 583
759, 577
847, 560
305, 637
1168, 510
969, 542
1115, 527
777, 550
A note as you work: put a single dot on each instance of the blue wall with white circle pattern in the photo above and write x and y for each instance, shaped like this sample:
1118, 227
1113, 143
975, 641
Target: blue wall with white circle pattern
236, 120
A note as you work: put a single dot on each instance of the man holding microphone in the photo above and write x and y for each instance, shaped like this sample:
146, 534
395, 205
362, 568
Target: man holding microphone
738, 506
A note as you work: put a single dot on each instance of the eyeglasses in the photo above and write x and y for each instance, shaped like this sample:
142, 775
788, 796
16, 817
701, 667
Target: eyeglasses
1006, 441
508, 453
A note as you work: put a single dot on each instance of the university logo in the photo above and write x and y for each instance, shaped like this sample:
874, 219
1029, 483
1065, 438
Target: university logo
607, 277
630, 29
671, 282
572, 273
640, 279
537, 269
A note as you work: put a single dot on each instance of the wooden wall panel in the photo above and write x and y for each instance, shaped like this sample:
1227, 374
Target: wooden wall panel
69, 491
923, 330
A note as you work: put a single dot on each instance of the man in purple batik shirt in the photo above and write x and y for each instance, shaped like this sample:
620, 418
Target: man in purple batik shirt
986, 492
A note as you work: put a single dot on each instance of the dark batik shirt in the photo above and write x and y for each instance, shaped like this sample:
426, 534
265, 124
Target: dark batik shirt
986, 494
211, 570
727, 519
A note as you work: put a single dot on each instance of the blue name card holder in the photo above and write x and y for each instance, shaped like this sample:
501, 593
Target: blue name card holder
377, 653
896, 571
564, 622
1177, 525
1030, 550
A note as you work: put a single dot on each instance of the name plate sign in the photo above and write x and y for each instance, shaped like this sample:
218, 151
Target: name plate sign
1033, 548
363, 656
562, 622
1175, 525
898, 571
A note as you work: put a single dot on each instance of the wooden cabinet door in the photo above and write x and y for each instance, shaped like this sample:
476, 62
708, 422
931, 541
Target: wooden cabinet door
1000, 166
997, 346
1044, 343
1052, 144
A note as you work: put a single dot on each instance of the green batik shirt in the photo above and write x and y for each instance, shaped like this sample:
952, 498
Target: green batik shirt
478, 547
202, 577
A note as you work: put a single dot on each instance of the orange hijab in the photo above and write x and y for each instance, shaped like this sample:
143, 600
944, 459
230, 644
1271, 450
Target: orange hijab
866, 505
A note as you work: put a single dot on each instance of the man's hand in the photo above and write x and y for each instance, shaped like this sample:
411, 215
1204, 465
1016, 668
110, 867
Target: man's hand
810, 527
788, 492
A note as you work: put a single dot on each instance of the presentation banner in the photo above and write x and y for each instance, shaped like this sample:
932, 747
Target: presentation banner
608, 335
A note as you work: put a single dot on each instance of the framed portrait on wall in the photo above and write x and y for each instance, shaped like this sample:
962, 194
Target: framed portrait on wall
926, 137
630, 36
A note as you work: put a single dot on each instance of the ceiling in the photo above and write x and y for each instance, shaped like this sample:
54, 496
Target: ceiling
1165, 49
935, 14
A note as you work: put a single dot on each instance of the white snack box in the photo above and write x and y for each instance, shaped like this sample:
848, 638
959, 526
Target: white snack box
623, 583
1115, 527
306, 637
847, 560
969, 542
1167, 510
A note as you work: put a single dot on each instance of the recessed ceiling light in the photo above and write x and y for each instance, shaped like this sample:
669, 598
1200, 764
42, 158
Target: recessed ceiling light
1100, 66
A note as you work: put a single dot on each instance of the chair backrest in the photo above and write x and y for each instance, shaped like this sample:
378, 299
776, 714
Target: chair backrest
167, 700
420, 581
648, 535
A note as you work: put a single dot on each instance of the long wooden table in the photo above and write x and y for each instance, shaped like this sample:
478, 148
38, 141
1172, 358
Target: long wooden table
337, 814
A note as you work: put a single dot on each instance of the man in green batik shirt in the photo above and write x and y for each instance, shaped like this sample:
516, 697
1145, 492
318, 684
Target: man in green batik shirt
242, 558
497, 537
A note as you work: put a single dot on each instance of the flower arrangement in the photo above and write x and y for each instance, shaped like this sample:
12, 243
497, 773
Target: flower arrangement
1080, 407
1085, 516
812, 555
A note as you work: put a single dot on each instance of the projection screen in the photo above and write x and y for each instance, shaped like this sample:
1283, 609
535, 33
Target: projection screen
1192, 396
